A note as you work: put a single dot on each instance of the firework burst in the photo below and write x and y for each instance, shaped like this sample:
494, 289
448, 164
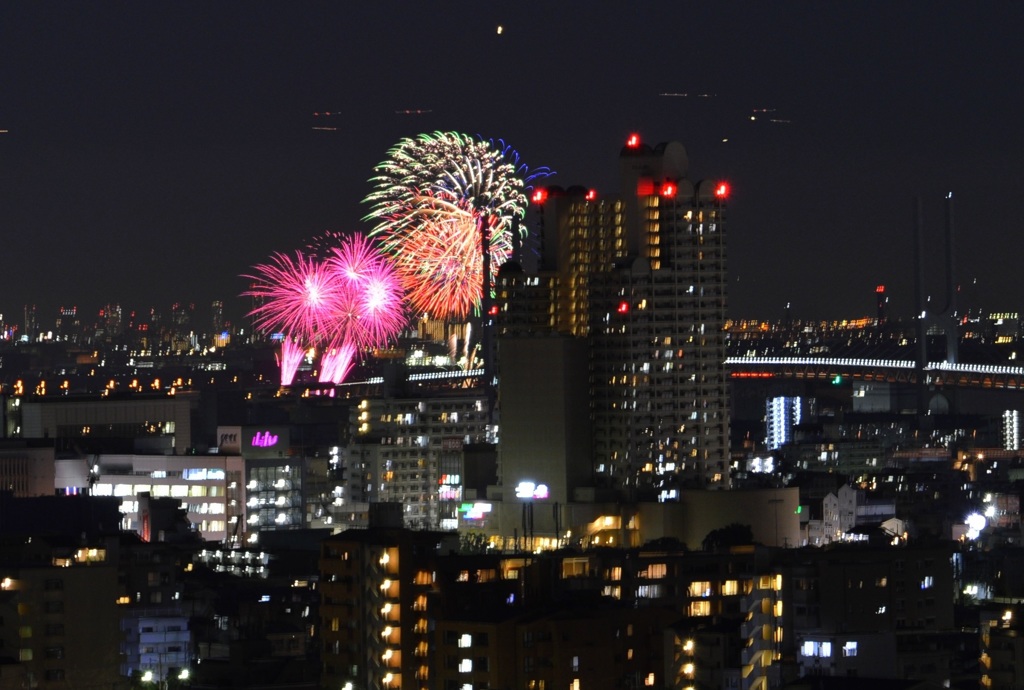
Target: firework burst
295, 295
345, 302
435, 199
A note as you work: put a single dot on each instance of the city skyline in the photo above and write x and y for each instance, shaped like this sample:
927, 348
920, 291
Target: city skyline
152, 154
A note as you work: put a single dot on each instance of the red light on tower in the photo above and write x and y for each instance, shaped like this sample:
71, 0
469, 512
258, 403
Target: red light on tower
591, 195
633, 142
668, 190
623, 307
540, 195
493, 311
880, 289
722, 191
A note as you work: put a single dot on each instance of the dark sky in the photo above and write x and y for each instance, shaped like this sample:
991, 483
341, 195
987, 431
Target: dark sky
155, 151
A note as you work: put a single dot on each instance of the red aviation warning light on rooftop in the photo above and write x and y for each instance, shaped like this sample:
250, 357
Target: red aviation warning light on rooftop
591, 195
540, 195
722, 191
633, 142
668, 190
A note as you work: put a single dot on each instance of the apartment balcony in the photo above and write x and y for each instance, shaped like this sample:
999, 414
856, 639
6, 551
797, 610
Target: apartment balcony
754, 648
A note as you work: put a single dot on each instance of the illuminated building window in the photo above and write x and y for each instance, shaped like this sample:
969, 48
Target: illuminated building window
815, 648
656, 571
700, 588
699, 608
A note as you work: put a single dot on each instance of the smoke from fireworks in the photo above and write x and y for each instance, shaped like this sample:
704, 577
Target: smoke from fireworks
434, 199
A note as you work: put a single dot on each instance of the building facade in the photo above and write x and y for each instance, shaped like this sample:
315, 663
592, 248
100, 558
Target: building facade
641, 275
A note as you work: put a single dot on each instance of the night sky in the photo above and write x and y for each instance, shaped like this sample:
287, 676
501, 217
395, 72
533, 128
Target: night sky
155, 151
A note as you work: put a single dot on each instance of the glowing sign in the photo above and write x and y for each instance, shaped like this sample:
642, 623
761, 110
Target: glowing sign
531, 490
264, 440
449, 493
474, 511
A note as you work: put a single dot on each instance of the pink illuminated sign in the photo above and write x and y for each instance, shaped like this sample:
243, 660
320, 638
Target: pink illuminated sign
264, 439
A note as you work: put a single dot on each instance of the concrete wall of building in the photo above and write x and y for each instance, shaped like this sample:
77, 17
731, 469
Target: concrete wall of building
26, 470
48, 419
545, 415
771, 514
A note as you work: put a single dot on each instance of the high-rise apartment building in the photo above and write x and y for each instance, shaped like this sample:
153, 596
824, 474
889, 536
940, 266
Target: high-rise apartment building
641, 275
411, 452
378, 604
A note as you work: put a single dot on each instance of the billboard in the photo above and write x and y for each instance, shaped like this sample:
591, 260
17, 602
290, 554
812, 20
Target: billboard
265, 442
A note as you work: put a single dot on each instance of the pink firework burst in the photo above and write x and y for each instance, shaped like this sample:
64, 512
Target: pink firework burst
297, 296
370, 309
346, 302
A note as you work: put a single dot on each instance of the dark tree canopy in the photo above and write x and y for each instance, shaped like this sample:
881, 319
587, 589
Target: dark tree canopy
733, 534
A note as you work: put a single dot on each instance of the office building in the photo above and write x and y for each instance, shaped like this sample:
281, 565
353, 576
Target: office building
208, 486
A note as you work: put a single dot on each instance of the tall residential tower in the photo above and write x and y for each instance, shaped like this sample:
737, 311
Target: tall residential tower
641, 276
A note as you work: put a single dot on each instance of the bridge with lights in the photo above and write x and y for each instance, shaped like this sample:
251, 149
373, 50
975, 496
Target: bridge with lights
899, 371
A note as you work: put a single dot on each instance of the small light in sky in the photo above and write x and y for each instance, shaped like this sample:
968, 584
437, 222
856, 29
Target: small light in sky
725, 139
501, 29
